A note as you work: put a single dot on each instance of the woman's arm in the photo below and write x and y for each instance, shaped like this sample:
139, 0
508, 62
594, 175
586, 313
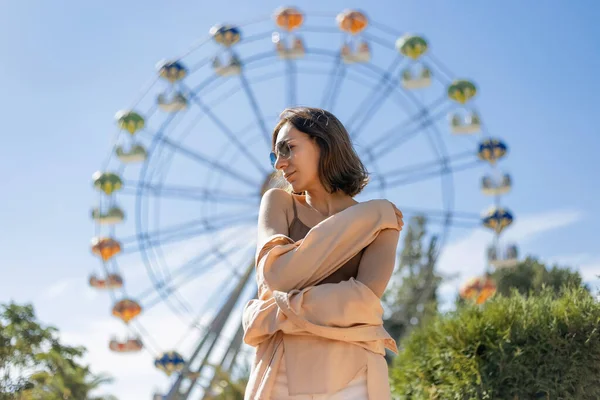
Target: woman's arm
327, 246
378, 260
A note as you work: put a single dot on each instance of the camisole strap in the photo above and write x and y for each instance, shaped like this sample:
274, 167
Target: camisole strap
294, 205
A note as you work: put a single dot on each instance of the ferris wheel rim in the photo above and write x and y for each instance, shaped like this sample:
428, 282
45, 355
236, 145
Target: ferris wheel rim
256, 58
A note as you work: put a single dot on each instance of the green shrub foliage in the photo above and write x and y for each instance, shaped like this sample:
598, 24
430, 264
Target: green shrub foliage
511, 348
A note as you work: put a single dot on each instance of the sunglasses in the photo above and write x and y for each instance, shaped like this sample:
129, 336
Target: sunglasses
283, 150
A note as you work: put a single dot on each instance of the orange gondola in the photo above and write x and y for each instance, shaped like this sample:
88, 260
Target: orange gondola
126, 310
351, 21
105, 247
478, 289
288, 18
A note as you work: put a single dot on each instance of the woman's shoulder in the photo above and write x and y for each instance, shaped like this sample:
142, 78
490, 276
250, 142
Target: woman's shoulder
276, 196
277, 199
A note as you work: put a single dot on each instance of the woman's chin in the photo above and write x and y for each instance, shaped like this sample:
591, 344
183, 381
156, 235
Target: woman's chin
295, 187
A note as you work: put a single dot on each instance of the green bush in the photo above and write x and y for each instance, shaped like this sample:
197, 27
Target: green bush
530, 275
512, 348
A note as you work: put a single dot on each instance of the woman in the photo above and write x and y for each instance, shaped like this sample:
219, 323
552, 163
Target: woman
313, 151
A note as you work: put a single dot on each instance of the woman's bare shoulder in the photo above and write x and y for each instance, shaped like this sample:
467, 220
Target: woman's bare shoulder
276, 197
273, 215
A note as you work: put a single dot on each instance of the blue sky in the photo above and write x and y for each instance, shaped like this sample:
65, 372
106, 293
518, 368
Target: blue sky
69, 66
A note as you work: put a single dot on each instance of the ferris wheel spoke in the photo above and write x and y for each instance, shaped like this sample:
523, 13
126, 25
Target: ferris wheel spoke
429, 170
255, 108
207, 161
189, 275
212, 225
459, 215
445, 218
168, 294
332, 76
441, 67
211, 301
188, 192
379, 92
383, 42
336, 88
372, 111
442, 170
167, 284
206, 110
400, 133
167, 230
200, 64
195, 267
181, 236
187, 230
422, 119
338, 70
155, 349
290, 69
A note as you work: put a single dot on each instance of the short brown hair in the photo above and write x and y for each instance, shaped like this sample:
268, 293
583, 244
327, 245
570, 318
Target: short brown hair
340, 168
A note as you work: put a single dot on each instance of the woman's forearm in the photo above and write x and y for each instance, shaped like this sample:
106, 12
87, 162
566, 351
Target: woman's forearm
327, 246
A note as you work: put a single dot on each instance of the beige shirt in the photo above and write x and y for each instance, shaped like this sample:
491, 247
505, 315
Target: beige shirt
335, 324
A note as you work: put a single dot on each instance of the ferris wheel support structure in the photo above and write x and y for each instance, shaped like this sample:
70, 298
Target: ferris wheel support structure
187, 378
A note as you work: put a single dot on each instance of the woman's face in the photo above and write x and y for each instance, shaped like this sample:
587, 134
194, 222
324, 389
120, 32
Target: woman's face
301, 170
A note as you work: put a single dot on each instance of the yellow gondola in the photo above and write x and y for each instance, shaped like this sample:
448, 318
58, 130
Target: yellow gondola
131, 121
107, 182
412, 46
462, 91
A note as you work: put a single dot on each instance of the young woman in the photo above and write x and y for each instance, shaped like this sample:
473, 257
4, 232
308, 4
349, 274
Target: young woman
323, 173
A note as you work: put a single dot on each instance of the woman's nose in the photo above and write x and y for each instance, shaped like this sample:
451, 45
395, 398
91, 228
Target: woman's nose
280, 163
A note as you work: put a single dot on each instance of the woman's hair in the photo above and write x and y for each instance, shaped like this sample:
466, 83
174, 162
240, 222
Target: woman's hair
340, 168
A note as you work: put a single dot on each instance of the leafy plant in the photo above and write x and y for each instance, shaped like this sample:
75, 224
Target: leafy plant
545, 346
34, 364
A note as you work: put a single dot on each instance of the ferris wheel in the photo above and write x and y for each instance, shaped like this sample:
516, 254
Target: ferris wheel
179, 192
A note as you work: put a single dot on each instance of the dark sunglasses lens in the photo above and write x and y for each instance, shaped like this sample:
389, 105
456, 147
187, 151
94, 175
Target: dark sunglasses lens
273, 158
284, 149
